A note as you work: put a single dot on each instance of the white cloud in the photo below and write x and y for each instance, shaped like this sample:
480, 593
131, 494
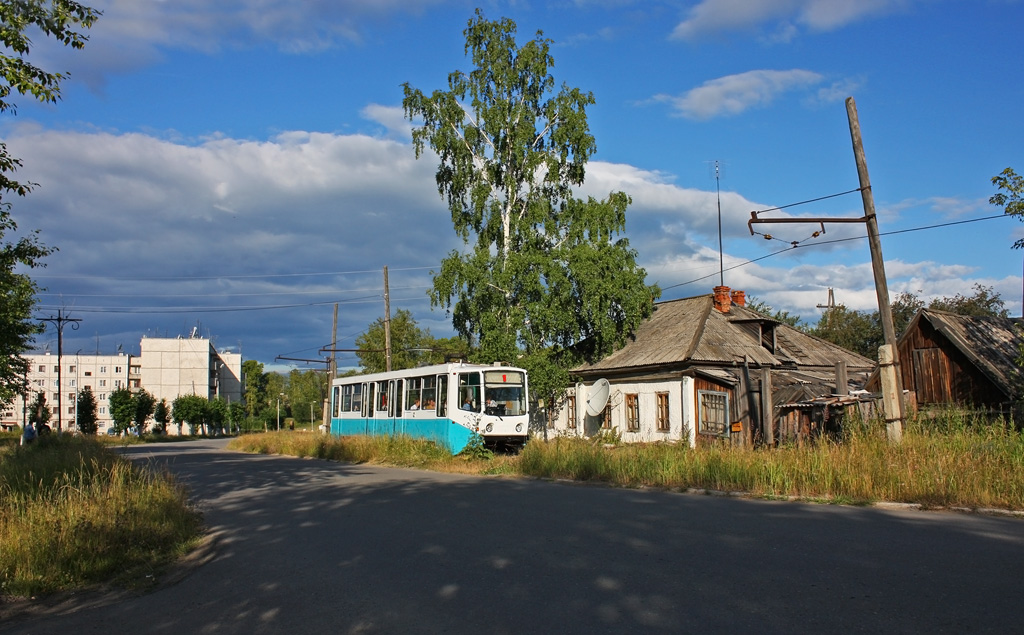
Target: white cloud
781, 17
132, 34
733, 94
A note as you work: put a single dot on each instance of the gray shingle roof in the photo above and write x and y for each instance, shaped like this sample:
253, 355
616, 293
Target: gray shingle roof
690, 332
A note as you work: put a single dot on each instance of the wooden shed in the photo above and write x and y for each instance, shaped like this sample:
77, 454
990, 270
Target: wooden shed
971, 361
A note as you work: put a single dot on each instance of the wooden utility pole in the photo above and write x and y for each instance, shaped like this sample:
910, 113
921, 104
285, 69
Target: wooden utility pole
387, 323
893, 405
893, 410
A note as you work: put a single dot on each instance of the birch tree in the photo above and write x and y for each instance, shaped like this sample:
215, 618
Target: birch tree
543, 270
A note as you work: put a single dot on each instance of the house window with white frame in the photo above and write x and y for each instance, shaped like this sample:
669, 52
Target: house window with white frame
633, 412
714, 412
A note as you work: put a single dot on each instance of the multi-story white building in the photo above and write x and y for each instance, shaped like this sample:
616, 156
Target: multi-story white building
167, 369
171, 367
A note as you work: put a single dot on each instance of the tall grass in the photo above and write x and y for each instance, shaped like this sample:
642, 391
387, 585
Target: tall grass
950, 462
72, 514
955, 460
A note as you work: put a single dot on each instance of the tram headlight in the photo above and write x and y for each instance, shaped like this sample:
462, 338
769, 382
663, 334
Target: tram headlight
490, 427
519, 427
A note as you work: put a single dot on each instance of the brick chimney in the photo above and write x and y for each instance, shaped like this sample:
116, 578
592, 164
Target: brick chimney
722, 299
739, 298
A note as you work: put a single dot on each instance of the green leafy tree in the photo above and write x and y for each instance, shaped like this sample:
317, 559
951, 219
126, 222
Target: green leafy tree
985, 302
306, 392
38, 412
236, 416
61, 20
445, 349
1011, 198
255, 387
122, 409
277, 393
85, 410
857, 331
161, 417
216, 415
190, 410
765, 309
409, 344
144, 406
543, 268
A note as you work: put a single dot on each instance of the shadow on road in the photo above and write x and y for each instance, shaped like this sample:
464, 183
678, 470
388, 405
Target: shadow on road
311, 546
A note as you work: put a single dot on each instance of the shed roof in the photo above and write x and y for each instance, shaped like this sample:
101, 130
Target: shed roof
992, 344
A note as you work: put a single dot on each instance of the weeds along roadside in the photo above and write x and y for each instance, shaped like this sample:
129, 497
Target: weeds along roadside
74, 514
955, 459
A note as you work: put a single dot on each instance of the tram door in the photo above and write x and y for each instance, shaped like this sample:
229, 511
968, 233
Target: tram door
369, 399
395, 405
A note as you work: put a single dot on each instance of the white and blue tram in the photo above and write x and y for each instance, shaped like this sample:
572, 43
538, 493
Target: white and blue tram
444, 403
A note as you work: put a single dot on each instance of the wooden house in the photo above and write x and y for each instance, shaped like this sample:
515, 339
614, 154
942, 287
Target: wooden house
706, 369
947, 358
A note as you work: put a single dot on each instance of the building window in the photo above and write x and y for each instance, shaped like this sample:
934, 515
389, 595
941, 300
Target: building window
103, 410
42, 369
117, 383
714, 413
56, 369
56, 396
71, 410
103, 369
117, 369
103, 382
571, 423
662, 398
71, 395
73, 383
88, 373
71, 369
633, 413
56, 384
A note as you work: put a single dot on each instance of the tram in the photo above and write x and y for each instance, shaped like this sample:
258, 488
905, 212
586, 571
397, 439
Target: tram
444, 403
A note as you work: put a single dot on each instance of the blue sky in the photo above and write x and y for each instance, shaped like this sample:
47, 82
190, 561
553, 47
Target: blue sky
243, 165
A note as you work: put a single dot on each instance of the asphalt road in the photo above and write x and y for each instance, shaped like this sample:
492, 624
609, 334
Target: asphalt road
307, 546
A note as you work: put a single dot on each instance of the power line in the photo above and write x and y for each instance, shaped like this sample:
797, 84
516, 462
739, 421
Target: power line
813, 200
225, 277
837, 240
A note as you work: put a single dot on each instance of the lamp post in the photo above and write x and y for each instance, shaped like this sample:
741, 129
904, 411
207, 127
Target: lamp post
279, 413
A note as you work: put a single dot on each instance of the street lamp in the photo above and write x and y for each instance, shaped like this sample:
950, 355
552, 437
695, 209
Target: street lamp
279, 413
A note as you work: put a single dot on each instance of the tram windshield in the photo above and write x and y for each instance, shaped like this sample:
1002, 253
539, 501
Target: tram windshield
504, 392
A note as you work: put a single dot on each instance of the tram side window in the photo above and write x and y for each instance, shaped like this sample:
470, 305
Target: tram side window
429, 398
357, 398
382, 395
413, 393
336, 400
469, 391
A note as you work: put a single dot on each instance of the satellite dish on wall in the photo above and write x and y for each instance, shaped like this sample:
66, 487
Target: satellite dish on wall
598, 397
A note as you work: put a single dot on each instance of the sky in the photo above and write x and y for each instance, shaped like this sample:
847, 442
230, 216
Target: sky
240, 167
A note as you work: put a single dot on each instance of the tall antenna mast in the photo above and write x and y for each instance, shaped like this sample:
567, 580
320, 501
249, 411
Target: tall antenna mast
718, 192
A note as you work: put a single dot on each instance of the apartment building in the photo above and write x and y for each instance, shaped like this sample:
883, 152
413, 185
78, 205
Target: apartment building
167, 368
